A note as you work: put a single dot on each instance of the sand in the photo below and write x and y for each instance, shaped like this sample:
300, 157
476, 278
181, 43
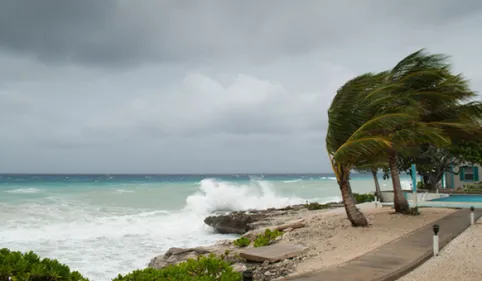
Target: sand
332, 240
461, 259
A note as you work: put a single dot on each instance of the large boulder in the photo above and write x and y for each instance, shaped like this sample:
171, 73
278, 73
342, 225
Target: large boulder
240, 222
236, 222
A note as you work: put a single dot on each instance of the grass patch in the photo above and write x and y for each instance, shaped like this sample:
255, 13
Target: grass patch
242, 242
267, 237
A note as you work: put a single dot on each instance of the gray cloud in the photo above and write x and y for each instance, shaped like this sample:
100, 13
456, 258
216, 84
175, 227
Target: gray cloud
114, 32
199, 86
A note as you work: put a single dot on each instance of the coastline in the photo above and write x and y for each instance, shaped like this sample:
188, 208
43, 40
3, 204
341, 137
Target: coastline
327, 235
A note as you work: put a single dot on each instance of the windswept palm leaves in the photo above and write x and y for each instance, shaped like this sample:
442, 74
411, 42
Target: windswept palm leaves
348, 141
378, 117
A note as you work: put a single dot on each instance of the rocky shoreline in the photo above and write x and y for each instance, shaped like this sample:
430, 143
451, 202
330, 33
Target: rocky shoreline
249, 224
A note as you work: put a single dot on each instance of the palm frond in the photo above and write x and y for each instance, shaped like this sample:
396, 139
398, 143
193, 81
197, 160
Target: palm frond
352, 151
385, 122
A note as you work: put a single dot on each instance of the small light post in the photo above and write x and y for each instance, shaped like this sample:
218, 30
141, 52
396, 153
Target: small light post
472, 216
436, 229
247, 275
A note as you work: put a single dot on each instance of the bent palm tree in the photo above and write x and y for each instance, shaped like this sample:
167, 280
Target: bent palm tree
424, 82
350, 138
382, 116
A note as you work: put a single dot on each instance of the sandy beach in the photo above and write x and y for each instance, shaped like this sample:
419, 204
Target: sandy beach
459, 260
331, 239
328, 236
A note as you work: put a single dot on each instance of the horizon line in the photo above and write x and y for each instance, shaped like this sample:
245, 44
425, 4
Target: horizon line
167, 174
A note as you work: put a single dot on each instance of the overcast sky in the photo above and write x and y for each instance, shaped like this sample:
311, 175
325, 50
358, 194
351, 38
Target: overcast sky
200, 86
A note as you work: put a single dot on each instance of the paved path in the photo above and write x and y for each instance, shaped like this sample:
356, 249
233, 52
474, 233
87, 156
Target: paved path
395, 259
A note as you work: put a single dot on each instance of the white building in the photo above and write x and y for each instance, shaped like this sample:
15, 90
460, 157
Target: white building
464, 176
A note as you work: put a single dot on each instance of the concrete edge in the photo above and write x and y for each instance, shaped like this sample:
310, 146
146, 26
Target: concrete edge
395, 275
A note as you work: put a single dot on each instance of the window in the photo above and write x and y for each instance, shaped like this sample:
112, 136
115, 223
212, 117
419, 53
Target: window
469, 173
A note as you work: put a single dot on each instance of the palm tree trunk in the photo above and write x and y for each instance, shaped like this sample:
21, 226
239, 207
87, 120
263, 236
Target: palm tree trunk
378, 191
354, 215
426, 182
400, 202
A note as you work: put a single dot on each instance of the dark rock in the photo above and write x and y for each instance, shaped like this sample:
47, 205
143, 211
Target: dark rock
240, 222
235, 222
177, 255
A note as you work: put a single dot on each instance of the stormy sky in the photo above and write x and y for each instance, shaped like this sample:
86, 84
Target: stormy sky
118, 86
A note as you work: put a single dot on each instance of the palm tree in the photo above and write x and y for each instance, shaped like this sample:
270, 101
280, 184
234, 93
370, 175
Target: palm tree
424, 83
379, 115
350, 138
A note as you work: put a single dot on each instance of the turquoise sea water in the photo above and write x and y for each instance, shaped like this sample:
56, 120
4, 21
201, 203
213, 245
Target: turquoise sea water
102, 225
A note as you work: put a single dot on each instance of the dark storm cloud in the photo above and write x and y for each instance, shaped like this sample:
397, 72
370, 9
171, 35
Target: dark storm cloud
200, 86
116, 32
432, 12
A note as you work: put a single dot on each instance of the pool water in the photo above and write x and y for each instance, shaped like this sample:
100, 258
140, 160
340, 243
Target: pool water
460, 198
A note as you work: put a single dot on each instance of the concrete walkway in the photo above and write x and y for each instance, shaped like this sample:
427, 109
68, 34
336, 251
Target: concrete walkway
395, 259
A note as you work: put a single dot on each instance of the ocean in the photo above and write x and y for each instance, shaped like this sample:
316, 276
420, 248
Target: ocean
102, 225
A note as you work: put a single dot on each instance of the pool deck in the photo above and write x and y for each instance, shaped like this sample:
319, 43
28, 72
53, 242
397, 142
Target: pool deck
394, 259
448, 204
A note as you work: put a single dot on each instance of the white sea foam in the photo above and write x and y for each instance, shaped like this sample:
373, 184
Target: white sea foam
217, 195
24, 190
325, 200
328, 178
103, 240
293, 181
124, 191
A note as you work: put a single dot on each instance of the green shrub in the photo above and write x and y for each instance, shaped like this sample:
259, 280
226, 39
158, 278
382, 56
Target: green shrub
242, 242
362, 198
28, 266
210, 268
316, 206
420, 185
266, 238
476, 187
414, 211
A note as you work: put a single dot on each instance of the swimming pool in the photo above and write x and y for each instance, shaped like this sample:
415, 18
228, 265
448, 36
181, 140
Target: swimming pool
459, 198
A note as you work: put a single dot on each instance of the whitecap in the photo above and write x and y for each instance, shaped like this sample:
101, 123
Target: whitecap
124, 191
293, 181
24, 190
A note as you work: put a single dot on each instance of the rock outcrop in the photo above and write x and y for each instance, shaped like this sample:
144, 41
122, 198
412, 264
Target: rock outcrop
241, 222
249, 224
177, 255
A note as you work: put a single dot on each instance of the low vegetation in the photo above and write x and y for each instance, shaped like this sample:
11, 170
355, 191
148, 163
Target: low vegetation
242, 242
267, 237
476, 187
261, 240
204, 268
312, 206
17, 266
362, 198
29, 266
414, 211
